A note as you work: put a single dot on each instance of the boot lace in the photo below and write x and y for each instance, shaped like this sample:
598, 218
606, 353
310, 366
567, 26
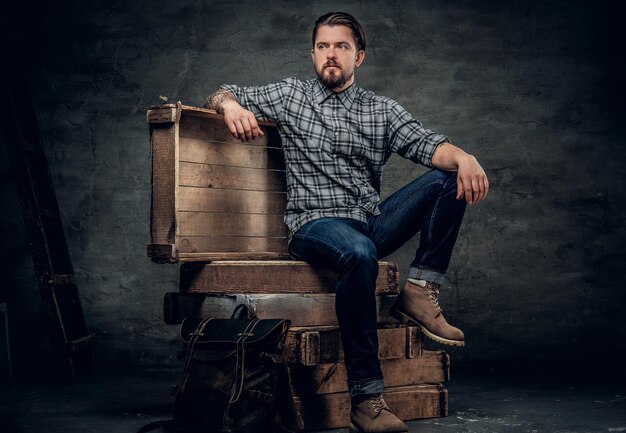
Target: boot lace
433, 293
378, 403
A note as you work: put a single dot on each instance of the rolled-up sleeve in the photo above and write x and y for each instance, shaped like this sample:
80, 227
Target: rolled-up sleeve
266, 102
409, 139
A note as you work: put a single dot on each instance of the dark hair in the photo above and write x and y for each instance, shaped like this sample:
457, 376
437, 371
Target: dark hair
342, 19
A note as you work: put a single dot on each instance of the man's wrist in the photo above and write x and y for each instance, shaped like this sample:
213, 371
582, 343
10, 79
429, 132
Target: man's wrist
216, 100
224, 105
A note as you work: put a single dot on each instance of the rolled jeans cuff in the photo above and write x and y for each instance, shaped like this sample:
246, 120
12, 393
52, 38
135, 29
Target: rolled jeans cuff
374, 386
427, 275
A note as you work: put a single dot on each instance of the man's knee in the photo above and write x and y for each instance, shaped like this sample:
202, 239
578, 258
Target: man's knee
360, 253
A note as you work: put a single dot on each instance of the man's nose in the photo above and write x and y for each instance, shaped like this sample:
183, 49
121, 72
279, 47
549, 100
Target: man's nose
330, 53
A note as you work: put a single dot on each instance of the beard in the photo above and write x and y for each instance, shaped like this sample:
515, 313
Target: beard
334, 79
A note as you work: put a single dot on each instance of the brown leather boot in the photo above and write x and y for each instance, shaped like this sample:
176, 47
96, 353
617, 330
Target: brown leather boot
420, 305
372, 415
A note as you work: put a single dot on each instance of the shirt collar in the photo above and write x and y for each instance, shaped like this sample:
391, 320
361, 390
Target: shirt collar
322, 93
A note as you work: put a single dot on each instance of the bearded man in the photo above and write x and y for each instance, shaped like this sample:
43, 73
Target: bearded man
336, 139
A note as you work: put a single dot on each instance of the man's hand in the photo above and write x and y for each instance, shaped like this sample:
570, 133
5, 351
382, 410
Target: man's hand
241, 122
471, 180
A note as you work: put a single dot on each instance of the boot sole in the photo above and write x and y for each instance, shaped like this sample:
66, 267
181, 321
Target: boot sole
354, 429
404, 318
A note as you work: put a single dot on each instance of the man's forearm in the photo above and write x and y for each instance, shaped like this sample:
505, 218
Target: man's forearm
472, 182
447, 157
217, 100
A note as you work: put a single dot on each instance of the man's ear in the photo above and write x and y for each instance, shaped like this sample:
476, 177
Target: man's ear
360, 56
312, 56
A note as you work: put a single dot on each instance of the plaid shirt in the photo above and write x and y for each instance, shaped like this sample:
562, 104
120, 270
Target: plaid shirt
336, 145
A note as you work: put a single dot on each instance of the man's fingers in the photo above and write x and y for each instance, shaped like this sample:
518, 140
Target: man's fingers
254, 125
241, 135
468, 191
459, 188
231, 127
246, 129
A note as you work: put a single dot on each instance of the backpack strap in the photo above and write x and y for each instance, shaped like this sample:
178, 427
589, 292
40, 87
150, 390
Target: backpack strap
191, 346
240, 370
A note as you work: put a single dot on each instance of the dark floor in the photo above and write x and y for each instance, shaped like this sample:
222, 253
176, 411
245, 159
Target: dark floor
483, 401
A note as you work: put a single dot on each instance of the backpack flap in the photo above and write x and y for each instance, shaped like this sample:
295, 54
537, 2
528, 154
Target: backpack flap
265, 335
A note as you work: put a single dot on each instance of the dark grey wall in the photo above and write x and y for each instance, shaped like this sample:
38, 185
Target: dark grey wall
533, 90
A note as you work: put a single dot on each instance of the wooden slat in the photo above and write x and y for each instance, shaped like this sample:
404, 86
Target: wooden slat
330, 411
231, 224
226, 200
236, 154
189, 110
162, 115
432, 367
247, 255
164, 157
200, 127
222, 176
286, 276
313, 346
200, 244
302, 310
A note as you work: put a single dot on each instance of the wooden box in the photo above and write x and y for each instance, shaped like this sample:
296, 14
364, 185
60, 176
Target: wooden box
308, 309
272, 276
429, 367
322, 345
214, 197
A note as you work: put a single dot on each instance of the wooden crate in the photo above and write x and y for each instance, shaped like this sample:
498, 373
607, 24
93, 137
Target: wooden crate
322, 345
214, 197
272, 276
430, 367
330, 411
315, 309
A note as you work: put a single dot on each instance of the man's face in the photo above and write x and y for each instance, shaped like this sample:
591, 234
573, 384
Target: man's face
335, 56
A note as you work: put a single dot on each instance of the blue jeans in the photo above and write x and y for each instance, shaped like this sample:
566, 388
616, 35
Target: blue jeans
352, 248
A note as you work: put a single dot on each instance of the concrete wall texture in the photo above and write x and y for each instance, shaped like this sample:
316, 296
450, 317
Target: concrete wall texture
532, 89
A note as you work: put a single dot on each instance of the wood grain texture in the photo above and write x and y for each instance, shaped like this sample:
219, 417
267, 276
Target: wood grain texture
330, 411
163, 114
222, 245
164, 156
227, 224
313, 346
232, 154
287, 276
227, 177
240, 255
235, 201
207, 127
431, 367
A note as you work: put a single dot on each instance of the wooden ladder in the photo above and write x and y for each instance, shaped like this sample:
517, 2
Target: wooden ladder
70, 340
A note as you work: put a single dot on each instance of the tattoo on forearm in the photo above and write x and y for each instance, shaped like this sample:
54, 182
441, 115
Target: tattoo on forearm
215, 99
